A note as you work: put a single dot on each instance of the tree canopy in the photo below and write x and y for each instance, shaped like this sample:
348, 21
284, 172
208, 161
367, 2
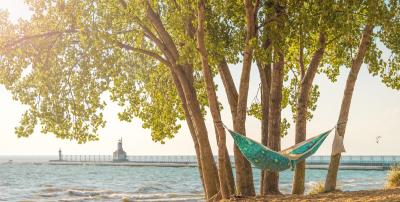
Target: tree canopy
145, 55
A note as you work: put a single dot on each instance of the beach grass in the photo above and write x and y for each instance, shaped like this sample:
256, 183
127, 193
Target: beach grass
317, 188
393, 178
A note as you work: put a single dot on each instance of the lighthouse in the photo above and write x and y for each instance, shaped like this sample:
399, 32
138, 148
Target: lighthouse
119, 154
60, 155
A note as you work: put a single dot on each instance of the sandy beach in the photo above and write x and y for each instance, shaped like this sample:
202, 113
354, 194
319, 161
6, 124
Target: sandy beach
345, 196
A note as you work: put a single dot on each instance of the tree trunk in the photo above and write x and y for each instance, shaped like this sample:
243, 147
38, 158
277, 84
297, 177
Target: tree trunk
191, 127
330, 183
244, 174
230, 178
229, 86
184, 75
265, 77
264, 70
210, 174
232, 95
301, 115
213, 104
274, 122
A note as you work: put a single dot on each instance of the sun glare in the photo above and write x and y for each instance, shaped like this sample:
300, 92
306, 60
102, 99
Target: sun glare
17, 9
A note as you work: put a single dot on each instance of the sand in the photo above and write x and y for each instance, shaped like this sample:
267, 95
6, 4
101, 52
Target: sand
361, 196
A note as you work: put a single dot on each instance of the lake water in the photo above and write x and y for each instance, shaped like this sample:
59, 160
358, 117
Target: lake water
23, 180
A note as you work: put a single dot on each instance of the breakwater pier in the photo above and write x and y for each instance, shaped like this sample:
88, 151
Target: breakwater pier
120, 158
313, 162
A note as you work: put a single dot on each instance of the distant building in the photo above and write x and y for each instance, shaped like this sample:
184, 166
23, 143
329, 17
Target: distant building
60, 157
120, 154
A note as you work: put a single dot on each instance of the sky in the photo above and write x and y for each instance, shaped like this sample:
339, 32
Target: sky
375, 111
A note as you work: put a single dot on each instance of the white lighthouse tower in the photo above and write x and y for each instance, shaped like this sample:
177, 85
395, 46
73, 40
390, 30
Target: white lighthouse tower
120, 154
60, 157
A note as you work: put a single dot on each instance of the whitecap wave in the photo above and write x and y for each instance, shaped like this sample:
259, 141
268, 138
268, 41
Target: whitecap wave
51, 190
88, 192
166, 197
147, 189
76, 194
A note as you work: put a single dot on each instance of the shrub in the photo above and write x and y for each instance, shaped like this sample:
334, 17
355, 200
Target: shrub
393, 178
317, 188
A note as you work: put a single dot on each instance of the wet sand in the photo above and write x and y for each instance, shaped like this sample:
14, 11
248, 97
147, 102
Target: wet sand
346, 196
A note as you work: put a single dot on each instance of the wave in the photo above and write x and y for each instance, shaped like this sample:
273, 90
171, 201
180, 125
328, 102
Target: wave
48, 195
153, 187
171, 199
5, 184
88, 192
77, 194
80, 199
51, 190
165, 197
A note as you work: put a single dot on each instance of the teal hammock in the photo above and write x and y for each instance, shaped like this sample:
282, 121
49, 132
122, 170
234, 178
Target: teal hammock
266, 159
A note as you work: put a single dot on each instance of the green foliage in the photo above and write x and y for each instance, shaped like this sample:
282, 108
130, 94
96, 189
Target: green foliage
255, 111
60, 80
62, 61
342, 23
285, 125
66, 57
148, 93
389, 34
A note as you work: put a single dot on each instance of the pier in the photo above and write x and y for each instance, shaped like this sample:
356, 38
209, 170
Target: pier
313, 162
120, 158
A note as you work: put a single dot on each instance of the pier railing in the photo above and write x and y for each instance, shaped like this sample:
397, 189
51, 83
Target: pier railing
87, 158
313, 160
385, 161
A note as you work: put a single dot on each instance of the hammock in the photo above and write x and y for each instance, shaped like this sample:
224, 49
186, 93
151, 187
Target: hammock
266, 159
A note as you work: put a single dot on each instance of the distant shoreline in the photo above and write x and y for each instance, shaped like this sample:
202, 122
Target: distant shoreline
185, 164
349, 162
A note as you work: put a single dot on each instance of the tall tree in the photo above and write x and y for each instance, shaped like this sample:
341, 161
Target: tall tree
319, 31
386, 17
225, 187
85, 43
244, 173
275, 97
330, 183
315, 30
244, 24
145, 54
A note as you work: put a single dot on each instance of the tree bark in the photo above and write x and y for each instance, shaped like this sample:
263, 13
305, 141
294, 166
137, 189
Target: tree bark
190, 125
264, 70
301, 115
183, 80
210, 175
330, 183
229, 86
274, 121
232, 95
213, 104
265, 77
244, 174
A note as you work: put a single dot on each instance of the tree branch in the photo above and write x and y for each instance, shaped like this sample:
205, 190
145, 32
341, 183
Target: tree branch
123, 3
149, 34
145, 52
164, 35
229, 85
316, 59
301, 61
35, 36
